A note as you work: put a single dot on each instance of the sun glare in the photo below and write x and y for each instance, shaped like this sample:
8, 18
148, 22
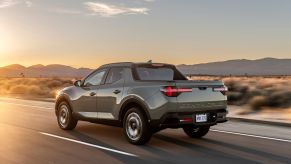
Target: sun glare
6, 46
5, 41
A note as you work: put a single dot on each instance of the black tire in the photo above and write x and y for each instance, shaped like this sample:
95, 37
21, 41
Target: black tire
196, 132
66, 121
130, 122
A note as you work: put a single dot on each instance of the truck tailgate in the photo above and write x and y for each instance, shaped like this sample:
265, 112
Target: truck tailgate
202, 97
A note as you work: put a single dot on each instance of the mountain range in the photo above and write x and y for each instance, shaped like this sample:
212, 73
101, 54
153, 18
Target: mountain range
265, 66
53, 70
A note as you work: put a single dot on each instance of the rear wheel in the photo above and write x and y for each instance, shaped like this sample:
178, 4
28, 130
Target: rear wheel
65, 118
196, 132
135, 127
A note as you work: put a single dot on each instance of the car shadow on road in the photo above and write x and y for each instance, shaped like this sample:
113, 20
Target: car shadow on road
235, 153
206, 154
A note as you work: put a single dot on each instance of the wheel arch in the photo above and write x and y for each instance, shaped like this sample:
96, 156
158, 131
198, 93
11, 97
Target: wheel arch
60, 99
133, 102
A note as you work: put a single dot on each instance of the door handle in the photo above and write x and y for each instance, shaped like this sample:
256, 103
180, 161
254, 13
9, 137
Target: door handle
116, 91
92, 93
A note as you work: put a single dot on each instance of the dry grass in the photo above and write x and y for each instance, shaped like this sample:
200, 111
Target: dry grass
33, 87
257, 92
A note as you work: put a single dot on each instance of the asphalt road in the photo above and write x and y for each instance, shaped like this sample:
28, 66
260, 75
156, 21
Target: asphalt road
29, 134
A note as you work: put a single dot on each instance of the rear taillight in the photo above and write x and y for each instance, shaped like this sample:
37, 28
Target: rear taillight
222, 89
172, 91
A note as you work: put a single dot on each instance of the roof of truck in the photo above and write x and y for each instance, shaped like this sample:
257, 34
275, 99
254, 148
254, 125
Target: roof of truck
117, 64
129, 64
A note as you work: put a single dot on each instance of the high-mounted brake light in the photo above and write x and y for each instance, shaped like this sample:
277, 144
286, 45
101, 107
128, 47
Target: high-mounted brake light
171, 91
222, 89
157, 65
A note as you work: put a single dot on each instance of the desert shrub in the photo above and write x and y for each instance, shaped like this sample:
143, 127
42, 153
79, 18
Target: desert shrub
279, 98
38, 91
42, 87
18, 89
257, 102
54, 83
234, 96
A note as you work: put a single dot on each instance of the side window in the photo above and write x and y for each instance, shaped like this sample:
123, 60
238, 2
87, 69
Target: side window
114, 75
95, 78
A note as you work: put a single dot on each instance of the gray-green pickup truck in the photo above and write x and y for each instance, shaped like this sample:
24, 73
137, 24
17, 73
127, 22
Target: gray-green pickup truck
143, 98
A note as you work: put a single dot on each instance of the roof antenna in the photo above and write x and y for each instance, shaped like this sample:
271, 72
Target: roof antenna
150, 61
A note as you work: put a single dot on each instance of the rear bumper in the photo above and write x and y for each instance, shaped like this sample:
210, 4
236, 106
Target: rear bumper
180, 119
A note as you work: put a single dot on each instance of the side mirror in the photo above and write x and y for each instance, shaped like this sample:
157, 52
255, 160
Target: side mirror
78, 83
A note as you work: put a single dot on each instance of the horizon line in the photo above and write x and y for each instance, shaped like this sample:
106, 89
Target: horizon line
84, 67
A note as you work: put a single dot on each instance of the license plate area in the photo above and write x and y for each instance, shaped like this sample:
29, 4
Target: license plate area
199, 118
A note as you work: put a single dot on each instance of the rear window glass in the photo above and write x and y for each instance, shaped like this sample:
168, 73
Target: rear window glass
158, 72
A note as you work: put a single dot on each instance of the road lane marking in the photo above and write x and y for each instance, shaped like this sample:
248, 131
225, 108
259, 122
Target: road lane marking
33, 106
251, 135
88, 144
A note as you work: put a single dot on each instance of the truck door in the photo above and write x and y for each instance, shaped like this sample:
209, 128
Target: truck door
110, 94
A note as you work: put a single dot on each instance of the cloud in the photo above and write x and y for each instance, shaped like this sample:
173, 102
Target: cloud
7, 3
107, 10
28, 3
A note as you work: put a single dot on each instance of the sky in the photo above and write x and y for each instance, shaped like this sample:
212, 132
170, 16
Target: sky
89, 33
